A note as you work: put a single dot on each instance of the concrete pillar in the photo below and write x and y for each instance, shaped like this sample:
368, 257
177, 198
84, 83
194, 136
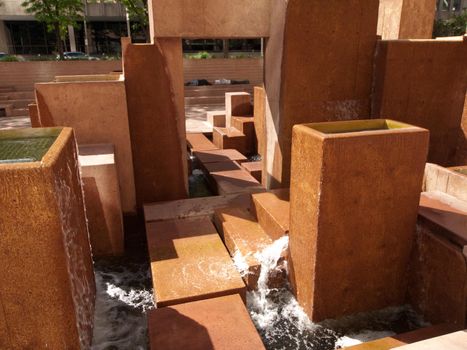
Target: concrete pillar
4, 39
354, 195
237, 104
71, 37
327, 79
47, 287
154, 87
406, 19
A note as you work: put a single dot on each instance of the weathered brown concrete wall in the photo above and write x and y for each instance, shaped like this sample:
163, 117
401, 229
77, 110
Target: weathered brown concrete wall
154, 85
98, 113
406, 19
209, 18
47, 287
438, 277
424, 83
329, 78
353, 206
462, 143
23, 75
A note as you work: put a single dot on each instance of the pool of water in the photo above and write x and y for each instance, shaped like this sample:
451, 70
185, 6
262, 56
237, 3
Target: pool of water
24, 150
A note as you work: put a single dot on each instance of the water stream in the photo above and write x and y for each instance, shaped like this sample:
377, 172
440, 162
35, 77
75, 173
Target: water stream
124, 295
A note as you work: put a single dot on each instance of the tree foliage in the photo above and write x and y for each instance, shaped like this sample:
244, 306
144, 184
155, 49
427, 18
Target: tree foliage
138, 13
454, 26
57, 15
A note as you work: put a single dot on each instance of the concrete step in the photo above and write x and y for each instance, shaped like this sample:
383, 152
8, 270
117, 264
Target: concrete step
17, 103
189, 262
399, 341
225, 138
218, 323
204, 100
244, 237
272, 211
220, 155
216, 118
234, 181
199, 142
254, 168
246, 125
19, 112
6, 89
17, 95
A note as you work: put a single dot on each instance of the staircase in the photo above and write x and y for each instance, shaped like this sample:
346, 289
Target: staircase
15, 103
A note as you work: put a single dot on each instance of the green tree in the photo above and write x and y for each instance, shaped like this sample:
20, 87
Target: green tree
454, 26
57, 15
138, 13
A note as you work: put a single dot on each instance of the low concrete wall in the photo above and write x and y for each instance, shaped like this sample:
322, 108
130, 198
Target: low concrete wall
23, 75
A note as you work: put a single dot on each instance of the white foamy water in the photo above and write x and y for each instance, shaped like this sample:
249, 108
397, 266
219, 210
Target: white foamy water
122, 301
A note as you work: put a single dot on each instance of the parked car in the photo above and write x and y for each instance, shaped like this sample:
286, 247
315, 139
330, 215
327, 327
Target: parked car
76, 55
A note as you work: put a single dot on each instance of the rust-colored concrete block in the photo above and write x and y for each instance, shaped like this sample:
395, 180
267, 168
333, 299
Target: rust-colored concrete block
254, 168
97, 112
246, 125
235, 181
438, 275
156, 115
222, 155
353, 206
230, 138
34, 115
272, 209
398, 340
406, 19
47, 287
259, 113
189, 262
216, 118
328, 79
452, 341
199, 142
237, 104
243, 236
429, 97
221, 166
102, 199
216, 324
209, 18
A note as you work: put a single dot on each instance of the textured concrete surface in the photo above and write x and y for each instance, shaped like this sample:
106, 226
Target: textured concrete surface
154, 85
47, 290
97, 111
411, 88
327, 79
242, 235
235, 181
272, 209
438, 276
102, 199
353, 206
199, 142
222, 155
254, 168
209, 18
406, 19
215, 324
439, 179
189, 262
452, 341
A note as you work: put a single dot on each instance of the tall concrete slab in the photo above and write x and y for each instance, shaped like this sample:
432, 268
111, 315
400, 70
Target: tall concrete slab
423, 82
328, 78
406, 19
47, 287
154, 85
96, 109
354, 197
209, 18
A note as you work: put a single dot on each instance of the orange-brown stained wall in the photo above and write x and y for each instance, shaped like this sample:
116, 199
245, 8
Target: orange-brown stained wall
406, 19
326, 70
462, 145
154, 85
47, 287
424, 83
97, 111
